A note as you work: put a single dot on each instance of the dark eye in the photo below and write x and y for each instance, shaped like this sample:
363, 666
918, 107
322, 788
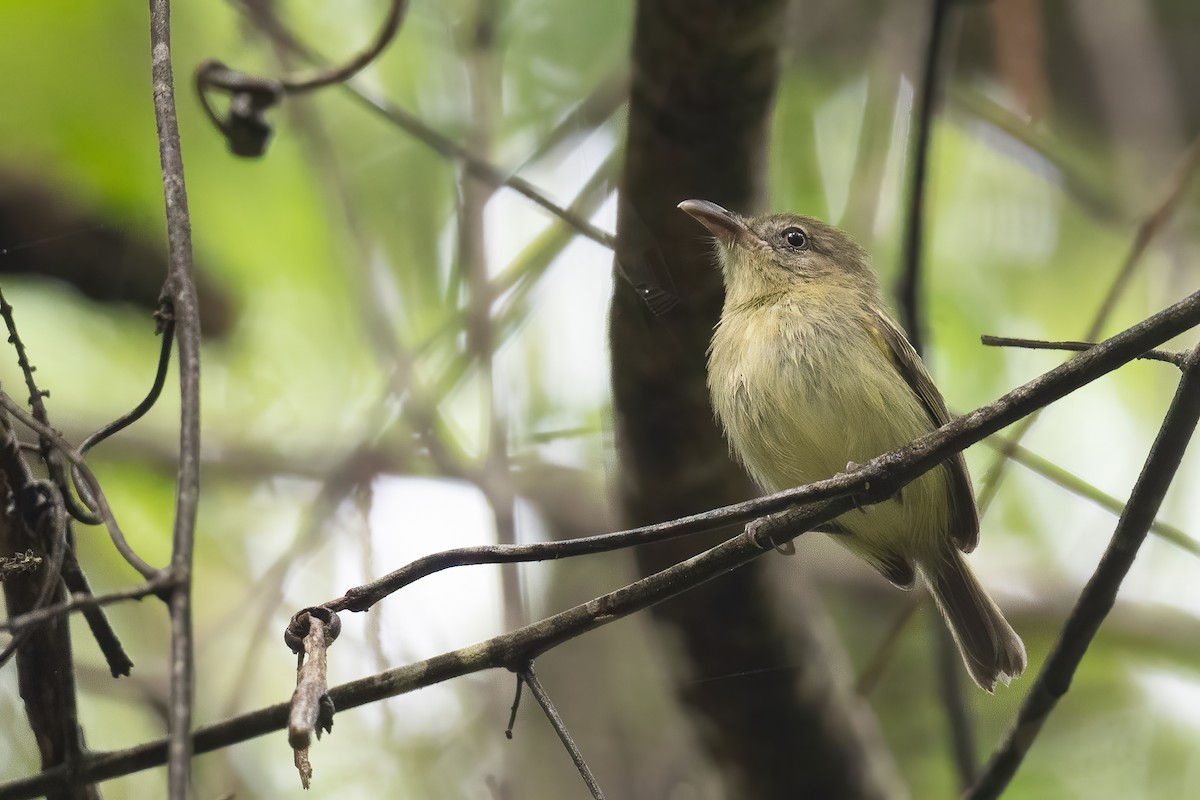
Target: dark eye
795, 238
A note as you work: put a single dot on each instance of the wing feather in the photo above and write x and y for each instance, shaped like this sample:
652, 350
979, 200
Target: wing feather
964, 526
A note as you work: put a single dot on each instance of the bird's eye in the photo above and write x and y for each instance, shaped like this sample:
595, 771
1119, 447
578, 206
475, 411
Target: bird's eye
795, 238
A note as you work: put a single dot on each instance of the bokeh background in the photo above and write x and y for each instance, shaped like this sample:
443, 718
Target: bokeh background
350, 426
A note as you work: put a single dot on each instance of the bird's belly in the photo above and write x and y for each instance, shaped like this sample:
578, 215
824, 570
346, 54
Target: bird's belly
794, 415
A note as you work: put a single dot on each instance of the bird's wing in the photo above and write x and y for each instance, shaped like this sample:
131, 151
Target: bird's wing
964, 518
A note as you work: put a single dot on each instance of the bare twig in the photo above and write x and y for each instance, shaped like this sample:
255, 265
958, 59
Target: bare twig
535, 687
119, 424
82, 603
92, 485
478, 167
1098, 596
1168, 356
180, 289
328, 77
119, 663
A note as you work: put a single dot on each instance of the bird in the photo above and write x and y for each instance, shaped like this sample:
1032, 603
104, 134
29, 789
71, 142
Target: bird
809, 375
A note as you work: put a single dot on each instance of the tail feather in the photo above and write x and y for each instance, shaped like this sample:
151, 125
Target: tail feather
990, 647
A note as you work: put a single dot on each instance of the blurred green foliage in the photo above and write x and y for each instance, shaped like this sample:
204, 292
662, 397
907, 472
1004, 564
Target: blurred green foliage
347, 211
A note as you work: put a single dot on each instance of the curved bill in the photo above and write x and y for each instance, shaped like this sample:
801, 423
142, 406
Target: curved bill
727, 226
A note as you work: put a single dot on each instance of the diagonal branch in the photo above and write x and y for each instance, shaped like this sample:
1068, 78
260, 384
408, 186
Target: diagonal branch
1100, 593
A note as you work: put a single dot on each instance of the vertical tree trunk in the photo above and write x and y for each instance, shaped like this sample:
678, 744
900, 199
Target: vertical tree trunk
704, 80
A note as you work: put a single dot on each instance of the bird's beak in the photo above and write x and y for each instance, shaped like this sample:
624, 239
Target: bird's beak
727, 226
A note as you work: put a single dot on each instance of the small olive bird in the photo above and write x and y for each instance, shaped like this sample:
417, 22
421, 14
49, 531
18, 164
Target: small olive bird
808, 374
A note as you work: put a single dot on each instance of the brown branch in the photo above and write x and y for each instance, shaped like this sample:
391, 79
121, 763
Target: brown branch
96, 494
560, 728
47, 613
180, 290
1100, 594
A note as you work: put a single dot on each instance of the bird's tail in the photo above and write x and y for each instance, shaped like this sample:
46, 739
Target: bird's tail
989, 646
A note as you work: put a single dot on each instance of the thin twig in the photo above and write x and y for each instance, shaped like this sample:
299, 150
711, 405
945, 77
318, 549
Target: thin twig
82, 603
38, 406
76, 582
1098, 596
160, 379
516, 704
328, 77
1169, 356
245, 126
89, 480
180, 288
478, 167
560, 728
869, 677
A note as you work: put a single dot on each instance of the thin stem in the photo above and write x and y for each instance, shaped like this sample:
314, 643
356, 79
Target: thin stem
560, 728
160, 379
909, 290
1167, 356
180, 288
1076, 485
328, 77
92, 485
46, 613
